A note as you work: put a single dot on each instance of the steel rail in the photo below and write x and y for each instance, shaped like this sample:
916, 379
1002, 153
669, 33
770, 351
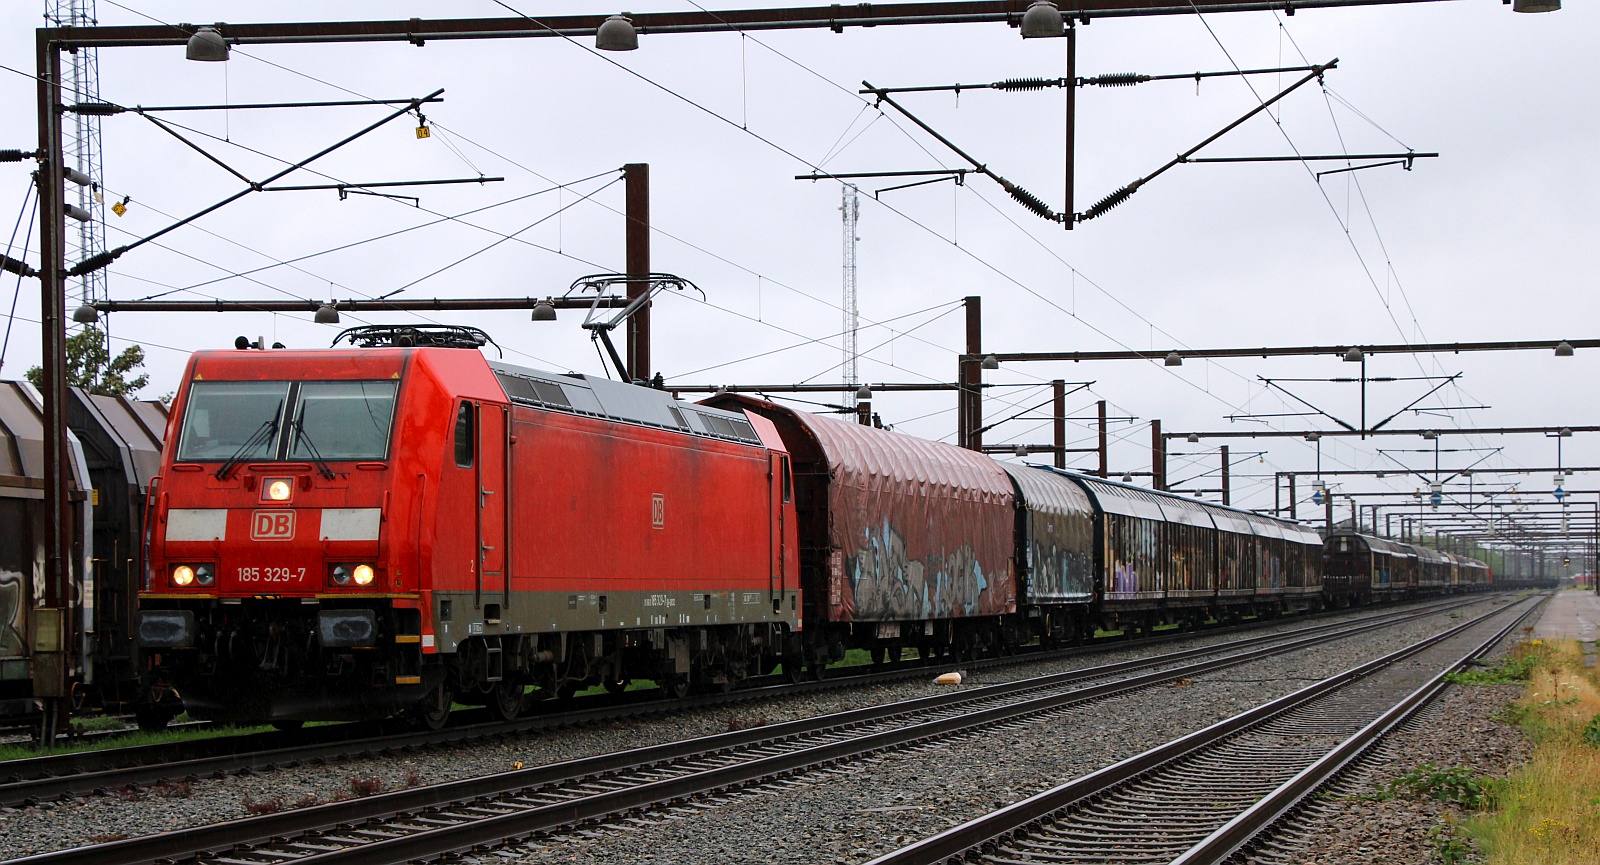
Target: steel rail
55, 776
324, 822
1005, 823
1269, 811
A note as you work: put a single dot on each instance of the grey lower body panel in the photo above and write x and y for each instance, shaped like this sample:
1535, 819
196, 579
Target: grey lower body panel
473, 614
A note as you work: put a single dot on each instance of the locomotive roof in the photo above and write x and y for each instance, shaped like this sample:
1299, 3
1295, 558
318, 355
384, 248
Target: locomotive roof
576, 393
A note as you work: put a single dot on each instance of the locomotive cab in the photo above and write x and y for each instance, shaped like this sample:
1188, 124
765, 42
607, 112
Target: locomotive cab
283, 582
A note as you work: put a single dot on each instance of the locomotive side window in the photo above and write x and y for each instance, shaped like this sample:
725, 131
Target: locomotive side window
464, 436
788, 488
343, 420
222, 417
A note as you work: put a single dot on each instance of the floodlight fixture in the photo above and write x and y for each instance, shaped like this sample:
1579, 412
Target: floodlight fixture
1430, 435
1563, 349
1020, 450
86, 314
327, 313
1564, 432
991, 362
863, 393
206, 45
617, 34
1313, 436
1173, 359
1194, 438
1354, 355
544, 310
1127, 478
1043, 19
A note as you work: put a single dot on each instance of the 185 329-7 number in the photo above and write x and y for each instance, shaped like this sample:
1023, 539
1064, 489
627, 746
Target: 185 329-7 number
271, 575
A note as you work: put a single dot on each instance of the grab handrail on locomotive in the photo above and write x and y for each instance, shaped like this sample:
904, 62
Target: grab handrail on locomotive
405, 524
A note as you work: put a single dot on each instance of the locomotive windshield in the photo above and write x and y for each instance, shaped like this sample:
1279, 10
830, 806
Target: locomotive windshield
279, 420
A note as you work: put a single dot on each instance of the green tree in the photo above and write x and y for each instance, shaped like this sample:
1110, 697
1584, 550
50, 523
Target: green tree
91, 366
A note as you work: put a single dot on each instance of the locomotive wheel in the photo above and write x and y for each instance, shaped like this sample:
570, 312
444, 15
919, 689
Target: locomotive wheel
433, 712
675, 685
506, 700
616, 686
794, 669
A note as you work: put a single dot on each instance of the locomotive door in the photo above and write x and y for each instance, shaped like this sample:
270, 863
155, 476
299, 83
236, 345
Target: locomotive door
779, 493
493, 475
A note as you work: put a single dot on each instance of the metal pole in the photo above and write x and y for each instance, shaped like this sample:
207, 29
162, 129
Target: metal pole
50, 622
1293, 505
1327, 511
1072, 121
1060, 388
1104, 452
638, 259
970, 407
1226, 497
1158, 457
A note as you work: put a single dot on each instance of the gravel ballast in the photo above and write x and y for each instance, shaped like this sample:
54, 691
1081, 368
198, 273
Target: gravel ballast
847, 815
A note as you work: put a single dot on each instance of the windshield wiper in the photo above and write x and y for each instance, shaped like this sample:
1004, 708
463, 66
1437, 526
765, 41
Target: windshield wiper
316, 455
262, 435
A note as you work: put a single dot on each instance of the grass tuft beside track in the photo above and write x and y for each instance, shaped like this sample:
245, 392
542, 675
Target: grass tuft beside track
1548, 811
131, 739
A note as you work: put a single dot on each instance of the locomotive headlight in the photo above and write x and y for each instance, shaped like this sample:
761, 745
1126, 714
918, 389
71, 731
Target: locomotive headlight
363, 574
341, 575
205, 575
182, 575
278, 489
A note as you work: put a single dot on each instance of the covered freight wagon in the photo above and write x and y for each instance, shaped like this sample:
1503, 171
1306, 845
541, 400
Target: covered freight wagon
900, 538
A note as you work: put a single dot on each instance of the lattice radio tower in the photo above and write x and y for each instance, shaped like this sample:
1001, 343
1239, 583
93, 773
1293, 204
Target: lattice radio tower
80, 141
851, 208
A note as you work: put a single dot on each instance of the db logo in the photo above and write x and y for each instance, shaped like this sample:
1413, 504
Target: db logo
272, 526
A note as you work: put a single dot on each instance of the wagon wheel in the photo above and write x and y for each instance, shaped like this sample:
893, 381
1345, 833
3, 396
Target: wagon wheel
794, 668
288, 726
433, 711
506, 700
616, 686
675, 685
151, 718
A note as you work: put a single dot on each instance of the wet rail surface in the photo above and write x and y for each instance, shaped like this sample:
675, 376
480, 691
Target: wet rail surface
1209, 795
426, 822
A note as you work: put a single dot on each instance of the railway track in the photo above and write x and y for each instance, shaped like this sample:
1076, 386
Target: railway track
1209, 796
458, 816
45, 778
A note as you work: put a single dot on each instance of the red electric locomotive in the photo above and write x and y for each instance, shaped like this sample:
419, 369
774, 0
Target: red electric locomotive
402, 523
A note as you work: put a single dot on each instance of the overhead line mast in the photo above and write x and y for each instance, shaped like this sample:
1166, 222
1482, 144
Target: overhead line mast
80, 147
851, 208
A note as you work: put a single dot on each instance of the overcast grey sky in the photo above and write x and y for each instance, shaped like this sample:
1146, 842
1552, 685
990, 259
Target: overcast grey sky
1494, 240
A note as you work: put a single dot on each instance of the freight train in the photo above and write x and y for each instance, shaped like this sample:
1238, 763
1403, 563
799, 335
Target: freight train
114, 449
403, 524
